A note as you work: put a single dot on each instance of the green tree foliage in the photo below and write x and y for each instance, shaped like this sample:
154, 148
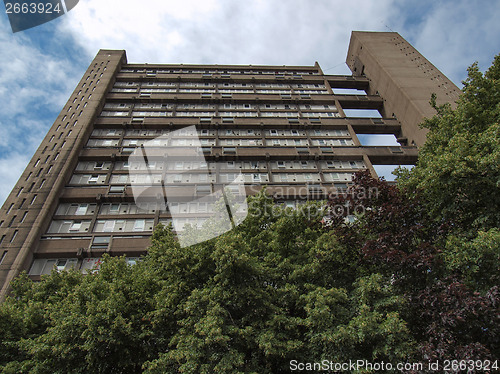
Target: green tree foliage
277, 288
452, 298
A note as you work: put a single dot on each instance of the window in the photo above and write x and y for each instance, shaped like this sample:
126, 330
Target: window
139, 224
3, 255
281, 164
93, 179
117, 189
81, 210
44, 266
75, 226
114, 208
12, 221
101, 241
24, 217
132, 260
203, 189
61, 264
109, 226
91, 265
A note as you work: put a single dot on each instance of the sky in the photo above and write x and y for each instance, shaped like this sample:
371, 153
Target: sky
40, 67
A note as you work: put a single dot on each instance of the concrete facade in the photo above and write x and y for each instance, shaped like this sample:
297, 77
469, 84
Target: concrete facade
402, 77
281, 126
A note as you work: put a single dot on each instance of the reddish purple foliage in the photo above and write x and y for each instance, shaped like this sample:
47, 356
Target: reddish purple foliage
395, 236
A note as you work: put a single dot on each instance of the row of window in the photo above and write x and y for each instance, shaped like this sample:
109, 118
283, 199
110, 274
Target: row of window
190, 142
222, 132
82, 226
278, 73
82, 209
118, 225
176, 208
231, 150
206, 189
227, 116
194, 165
145, 91
220, 86
216, 106
43, 266
203, 177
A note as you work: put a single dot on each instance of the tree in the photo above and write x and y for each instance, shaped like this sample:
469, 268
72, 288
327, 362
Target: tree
448, 315
272, 290
458, 169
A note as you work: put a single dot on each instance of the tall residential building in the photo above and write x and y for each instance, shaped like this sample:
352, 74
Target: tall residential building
281, 126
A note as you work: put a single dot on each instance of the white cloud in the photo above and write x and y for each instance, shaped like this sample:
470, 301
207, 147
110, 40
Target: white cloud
457, 33
226, 31
34, 85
